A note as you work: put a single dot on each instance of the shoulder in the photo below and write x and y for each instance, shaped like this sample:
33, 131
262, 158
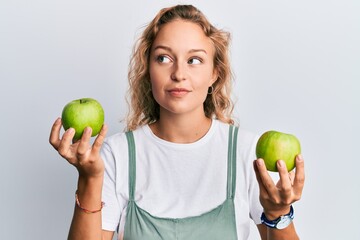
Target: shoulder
115, 152
114, 141
245, 137
246, 145
119, 139
117, 144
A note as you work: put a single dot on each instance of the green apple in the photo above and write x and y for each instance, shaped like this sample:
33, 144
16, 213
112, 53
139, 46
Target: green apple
82, 113
273, 146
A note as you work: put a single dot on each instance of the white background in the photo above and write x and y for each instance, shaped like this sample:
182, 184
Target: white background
296, 66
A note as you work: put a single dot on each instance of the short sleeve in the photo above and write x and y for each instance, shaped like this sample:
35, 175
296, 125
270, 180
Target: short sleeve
255, 207
111, 210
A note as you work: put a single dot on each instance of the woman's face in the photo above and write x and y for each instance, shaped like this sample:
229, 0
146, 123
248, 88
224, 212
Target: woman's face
181, 67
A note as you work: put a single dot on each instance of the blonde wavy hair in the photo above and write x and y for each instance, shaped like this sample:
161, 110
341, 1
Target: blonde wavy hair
143, 107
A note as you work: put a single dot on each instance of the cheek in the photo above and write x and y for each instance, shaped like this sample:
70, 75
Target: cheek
155, 84
154, 77
157, 74
205, 78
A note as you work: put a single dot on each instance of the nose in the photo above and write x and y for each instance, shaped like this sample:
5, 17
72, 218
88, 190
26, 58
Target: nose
178, 72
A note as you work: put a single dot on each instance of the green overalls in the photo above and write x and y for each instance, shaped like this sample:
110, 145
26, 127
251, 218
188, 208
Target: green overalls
217, 224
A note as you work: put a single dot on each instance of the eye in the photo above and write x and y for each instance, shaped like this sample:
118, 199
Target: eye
163, 59
194, 61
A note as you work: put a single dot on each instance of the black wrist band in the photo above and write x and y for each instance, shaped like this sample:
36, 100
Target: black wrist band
279, 223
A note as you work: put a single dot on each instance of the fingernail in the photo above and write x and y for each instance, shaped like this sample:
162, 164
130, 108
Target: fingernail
260, 162
281, 163
71, 130
58, 120
88, 129
299, 157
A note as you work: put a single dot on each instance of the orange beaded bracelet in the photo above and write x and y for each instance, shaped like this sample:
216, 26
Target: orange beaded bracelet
84, 209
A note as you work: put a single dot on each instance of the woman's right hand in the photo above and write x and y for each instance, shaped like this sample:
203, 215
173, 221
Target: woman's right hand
84, 156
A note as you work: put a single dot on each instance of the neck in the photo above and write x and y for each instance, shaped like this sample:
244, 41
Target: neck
181, 129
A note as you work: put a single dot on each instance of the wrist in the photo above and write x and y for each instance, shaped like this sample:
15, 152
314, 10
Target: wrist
85, 210
274, 214
89, 194
90, 186
281, 222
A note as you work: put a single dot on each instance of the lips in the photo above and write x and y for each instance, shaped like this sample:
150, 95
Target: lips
178, 91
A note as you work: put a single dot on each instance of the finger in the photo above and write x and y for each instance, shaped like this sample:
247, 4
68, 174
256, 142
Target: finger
100, 139
285, 181
54, 137
266, 179
292, 177
65, 142
84, 143
269, 185
262, 189
299, 176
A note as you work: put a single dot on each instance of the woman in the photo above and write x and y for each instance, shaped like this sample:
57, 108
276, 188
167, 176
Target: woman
182, 171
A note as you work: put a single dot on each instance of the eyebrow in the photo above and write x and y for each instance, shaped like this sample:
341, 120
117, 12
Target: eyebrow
169, 49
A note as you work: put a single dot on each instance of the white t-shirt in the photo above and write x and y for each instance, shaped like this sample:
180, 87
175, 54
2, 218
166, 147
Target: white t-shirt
180, 180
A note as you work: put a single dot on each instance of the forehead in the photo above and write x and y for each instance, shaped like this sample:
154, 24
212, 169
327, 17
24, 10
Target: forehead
183, 35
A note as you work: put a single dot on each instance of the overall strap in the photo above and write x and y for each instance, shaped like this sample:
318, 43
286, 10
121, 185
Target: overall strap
132, 164
231, 173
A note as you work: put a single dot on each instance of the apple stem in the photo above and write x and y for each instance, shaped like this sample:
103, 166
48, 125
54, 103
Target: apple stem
81, 101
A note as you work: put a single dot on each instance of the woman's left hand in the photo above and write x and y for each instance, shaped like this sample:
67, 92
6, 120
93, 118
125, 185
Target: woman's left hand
277, 198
